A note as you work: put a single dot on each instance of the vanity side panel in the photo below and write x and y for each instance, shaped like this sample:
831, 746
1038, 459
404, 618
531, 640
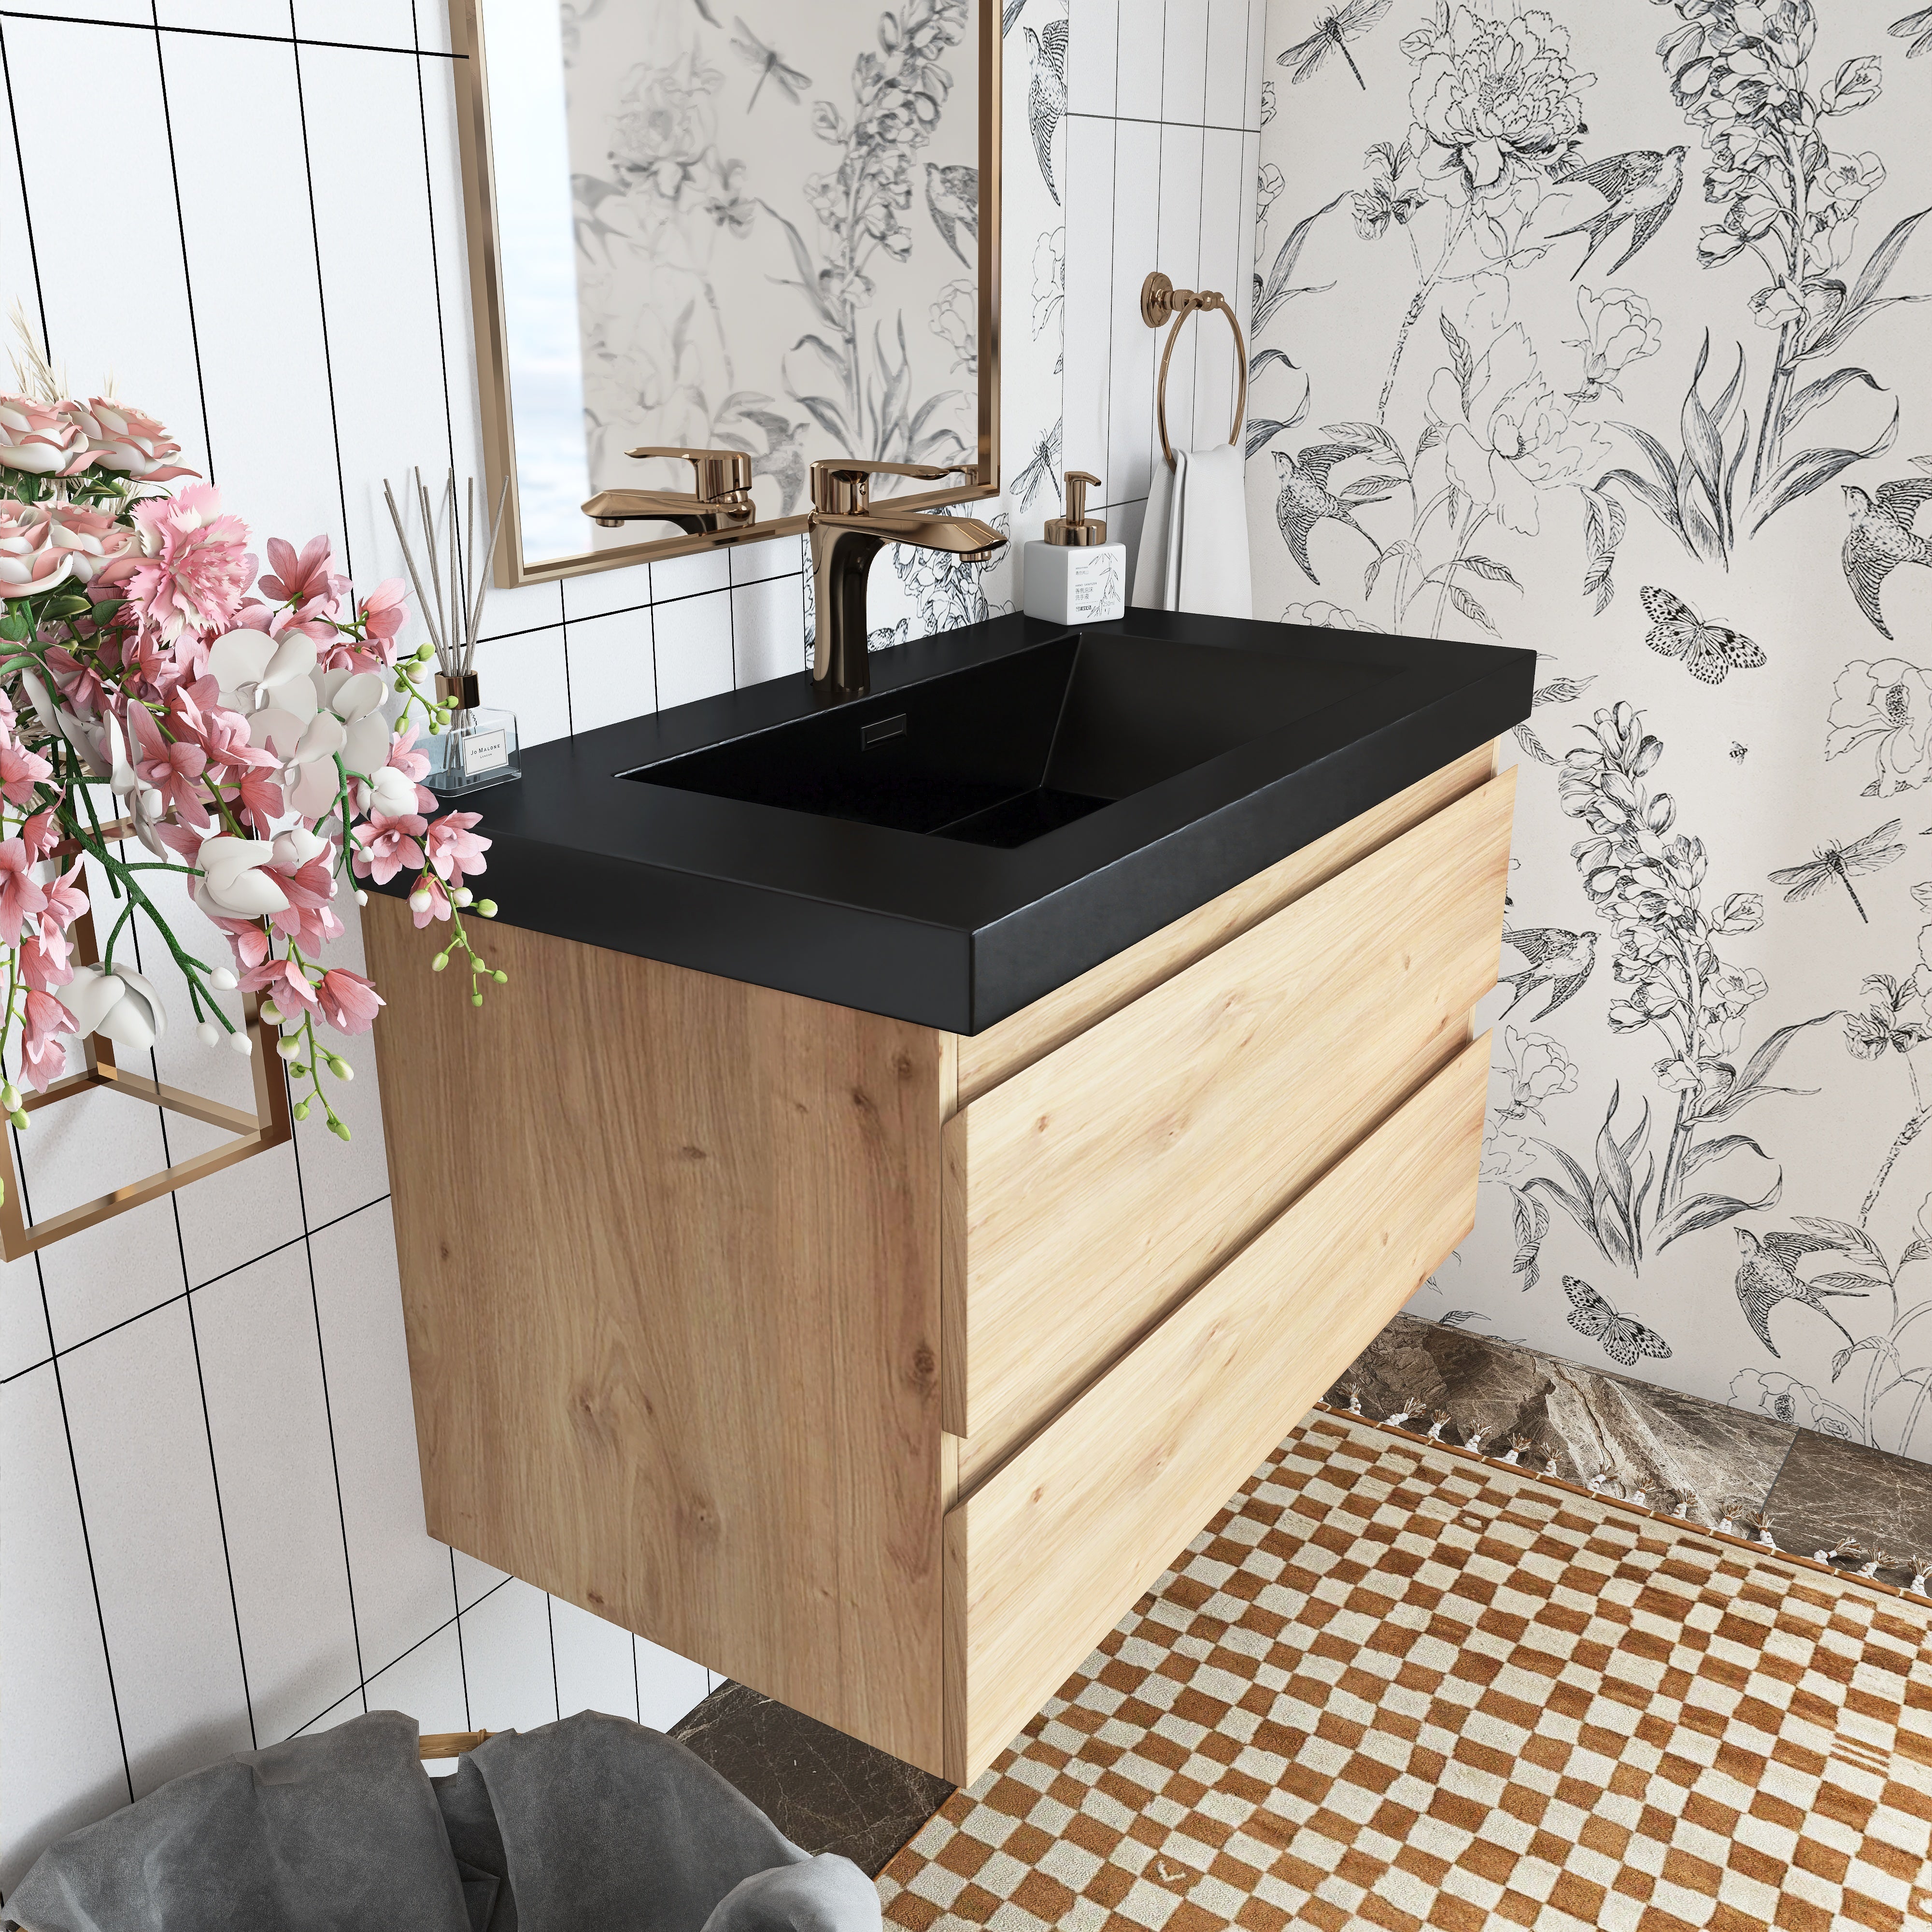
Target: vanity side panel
1045, 1557
1015, 1043
669, 1256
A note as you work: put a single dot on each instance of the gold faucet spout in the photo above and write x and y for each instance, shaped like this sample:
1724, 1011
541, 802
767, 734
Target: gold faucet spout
691, 514
974, 541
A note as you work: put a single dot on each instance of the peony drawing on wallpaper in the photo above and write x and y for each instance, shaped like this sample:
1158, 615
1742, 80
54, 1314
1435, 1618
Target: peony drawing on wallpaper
1606, 342
730, 297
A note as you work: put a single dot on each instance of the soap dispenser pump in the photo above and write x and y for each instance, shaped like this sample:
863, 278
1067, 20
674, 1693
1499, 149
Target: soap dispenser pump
1074, 575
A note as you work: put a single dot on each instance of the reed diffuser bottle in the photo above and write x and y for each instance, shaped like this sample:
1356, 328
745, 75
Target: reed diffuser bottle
477, 746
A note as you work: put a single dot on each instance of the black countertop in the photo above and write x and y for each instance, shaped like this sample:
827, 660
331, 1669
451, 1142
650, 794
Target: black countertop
943, 933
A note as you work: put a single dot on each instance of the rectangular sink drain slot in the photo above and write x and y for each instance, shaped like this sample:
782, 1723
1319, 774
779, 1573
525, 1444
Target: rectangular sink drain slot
880, 729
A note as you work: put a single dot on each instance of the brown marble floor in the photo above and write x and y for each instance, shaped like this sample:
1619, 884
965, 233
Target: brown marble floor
829, 1792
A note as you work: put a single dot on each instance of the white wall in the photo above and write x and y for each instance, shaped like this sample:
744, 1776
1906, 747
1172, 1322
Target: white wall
211, 1521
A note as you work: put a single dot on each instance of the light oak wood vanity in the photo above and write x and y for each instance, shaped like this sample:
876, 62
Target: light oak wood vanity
879, 1367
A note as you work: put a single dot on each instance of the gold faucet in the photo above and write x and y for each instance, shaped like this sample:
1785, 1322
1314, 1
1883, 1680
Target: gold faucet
847, 533
720, 501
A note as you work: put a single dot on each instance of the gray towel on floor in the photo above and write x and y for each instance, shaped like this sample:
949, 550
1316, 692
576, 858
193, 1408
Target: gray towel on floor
594, 1825
322, 1834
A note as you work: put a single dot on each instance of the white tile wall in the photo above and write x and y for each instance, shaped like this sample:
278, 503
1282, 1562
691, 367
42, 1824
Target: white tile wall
211, 1518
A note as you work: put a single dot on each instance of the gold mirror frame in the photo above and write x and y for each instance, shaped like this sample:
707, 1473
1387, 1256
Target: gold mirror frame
492, 367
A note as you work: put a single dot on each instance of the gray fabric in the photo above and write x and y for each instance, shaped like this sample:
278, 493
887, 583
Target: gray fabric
594, 1825
338, 1832
607, 1827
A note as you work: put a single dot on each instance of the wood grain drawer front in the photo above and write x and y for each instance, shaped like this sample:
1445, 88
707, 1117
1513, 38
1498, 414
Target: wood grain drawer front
1088, 1194
1044, 1557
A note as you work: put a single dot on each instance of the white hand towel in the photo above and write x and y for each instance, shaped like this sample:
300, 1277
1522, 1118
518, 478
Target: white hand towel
1194, 543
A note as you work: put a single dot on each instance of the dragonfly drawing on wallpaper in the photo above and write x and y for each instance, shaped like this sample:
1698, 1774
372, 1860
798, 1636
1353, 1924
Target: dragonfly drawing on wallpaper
1832, 860
1335, 27
753, 52
1041, 468
1648, 878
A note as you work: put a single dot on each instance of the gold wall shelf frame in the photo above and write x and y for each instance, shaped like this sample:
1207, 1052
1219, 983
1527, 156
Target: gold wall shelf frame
492, 333
268, 1126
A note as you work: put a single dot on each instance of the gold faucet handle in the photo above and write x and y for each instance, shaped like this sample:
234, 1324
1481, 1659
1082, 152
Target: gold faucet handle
722, 473
841, 485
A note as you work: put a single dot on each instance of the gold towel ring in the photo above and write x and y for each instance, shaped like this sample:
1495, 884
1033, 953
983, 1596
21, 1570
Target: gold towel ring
1161, 301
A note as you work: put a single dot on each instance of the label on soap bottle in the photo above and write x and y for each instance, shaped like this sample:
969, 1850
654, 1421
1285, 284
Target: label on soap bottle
1095, 590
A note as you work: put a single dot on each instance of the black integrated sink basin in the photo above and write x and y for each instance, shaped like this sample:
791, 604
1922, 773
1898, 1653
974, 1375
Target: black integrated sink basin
1001, 753
1015, 802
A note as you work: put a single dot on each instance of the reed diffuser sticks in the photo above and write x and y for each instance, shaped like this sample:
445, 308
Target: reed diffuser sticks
452, 610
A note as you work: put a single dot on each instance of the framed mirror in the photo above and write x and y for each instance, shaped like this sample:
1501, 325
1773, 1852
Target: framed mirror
739, 227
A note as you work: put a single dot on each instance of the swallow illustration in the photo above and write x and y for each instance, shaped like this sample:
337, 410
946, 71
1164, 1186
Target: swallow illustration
1046, 95
1768, 1274
1640, 187
1881, 538
952, 200
1559, 960
1307, 500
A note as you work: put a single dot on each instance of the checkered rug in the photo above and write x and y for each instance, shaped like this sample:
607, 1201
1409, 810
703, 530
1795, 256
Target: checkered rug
1392, 1685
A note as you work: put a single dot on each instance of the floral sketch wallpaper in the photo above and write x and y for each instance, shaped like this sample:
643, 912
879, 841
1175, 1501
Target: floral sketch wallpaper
777, 218
1596, 330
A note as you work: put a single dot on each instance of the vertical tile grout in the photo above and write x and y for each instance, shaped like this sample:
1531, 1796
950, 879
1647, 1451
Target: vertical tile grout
181, 231
26, 209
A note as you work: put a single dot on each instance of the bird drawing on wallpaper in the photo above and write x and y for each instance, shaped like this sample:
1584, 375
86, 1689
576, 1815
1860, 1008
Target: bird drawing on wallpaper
1711, 651
952, 200
1624, 1336
1881, 538
1916, 28
1046, 93
1306, 499
1335, 27
1558, 960
1833, 861
1640, 187
1768, 1274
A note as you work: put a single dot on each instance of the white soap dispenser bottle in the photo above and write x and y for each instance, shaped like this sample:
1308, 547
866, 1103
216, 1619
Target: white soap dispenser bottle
1074, 575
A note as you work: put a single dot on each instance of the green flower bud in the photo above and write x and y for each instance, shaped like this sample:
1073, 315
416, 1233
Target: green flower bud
336, 1128
301, 1110
19, 1118
487, 907
502, 978
441, 960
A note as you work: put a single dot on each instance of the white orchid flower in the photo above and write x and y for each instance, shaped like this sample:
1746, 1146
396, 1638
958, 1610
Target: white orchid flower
270, 681
392, 793
118, 1002
232, 885
348, 724
90, 743
294, 848
44, 707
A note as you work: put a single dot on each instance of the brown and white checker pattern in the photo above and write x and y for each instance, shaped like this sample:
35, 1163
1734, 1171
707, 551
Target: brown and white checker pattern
1392, 1686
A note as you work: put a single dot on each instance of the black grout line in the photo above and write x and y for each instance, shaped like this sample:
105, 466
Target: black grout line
321, 295
550, 1625
80, 1515
462, 1662
154, 1308
435, 265
637, 1685
629, 609
181, 231
1154, 120
26, 213
226, 34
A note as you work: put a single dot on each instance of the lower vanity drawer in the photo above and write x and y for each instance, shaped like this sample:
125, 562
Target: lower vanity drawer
1041, 1559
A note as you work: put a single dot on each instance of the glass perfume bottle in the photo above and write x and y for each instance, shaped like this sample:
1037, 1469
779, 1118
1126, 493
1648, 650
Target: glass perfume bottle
479, 747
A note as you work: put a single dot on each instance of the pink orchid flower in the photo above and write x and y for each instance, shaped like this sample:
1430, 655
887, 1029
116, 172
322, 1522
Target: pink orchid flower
40, 834
247, 940
386, 846
454, 851
174, 769
284, 981
43, 1058
22, 899
434, 900
348, 1002
383, 614
20, 771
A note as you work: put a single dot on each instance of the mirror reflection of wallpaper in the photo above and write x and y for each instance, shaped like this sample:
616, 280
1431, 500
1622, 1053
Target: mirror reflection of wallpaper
777, 214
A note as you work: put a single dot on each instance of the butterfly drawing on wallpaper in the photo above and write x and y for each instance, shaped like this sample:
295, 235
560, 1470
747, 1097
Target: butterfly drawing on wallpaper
1624, 1337
1711, 651
1335, 27
753, 52
1833, 861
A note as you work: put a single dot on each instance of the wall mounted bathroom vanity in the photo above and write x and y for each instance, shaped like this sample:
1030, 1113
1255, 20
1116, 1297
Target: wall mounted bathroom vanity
984, 1116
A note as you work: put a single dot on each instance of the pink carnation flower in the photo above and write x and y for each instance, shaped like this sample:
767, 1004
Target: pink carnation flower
386, 846
454, 851
348, 1002
30, 560
194, 568
126, 441
39, 439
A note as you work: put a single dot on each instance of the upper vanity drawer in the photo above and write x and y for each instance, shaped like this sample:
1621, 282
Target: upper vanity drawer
1090, 1191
